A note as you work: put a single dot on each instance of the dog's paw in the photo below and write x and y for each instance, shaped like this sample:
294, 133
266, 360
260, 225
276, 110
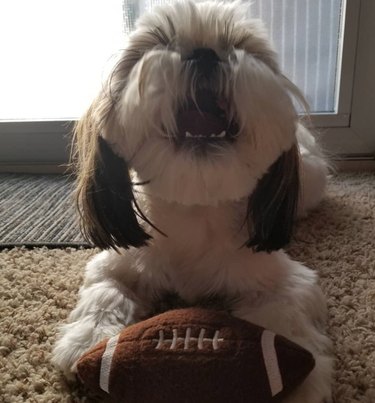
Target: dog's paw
317, 386
77, 337
103, 310
307, 399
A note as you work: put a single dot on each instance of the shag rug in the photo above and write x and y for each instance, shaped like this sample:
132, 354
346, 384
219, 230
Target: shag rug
39, 287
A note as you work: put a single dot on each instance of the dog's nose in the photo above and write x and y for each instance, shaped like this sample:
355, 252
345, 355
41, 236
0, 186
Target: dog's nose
206, 59
206, 55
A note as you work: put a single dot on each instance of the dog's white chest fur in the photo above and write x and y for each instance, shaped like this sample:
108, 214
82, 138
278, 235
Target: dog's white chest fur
203, 252
199, 229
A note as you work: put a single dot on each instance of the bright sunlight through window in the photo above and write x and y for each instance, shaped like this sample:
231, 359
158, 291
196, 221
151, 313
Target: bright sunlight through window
55, 54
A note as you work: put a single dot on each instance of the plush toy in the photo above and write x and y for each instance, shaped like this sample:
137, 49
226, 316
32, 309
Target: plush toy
195, 355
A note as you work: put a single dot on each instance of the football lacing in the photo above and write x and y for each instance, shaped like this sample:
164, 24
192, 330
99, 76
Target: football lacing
188, 339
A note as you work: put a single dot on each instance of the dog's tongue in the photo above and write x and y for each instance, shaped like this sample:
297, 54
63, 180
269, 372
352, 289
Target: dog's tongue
202, 117
194, 123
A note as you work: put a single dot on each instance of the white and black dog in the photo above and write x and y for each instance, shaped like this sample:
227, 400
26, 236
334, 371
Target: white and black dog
189, 164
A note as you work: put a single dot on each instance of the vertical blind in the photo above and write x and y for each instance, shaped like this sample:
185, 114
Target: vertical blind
306, 34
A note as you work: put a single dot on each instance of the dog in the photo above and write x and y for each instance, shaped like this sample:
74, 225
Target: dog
192, 166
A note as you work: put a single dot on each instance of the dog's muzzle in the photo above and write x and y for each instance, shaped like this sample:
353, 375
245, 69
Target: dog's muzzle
204, 119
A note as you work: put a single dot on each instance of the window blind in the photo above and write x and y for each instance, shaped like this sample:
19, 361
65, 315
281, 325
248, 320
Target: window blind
306, 34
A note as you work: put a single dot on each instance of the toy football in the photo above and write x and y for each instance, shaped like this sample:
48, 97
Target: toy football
195, 355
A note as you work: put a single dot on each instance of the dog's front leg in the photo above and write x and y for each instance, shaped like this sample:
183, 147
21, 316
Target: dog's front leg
296, 310
107, 302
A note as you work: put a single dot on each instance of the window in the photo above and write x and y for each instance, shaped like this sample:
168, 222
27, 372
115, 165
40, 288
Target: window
306, 34
56, 54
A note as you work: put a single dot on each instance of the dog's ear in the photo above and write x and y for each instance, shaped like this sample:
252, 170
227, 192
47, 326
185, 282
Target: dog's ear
105, 198
272, 207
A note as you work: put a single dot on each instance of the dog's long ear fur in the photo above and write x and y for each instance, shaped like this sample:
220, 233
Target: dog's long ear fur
272, 207
104, 194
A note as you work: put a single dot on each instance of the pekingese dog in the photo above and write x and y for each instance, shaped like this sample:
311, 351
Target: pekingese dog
191, 168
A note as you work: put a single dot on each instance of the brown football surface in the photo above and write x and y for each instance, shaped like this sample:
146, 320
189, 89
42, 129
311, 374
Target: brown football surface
195, 355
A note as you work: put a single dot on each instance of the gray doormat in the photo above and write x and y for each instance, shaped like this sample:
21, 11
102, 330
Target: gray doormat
38, 210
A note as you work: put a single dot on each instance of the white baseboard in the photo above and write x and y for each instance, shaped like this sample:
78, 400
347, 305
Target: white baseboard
34, 169
365, 165
341, 165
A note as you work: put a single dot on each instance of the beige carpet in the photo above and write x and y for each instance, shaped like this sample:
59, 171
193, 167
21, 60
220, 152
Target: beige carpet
38, 289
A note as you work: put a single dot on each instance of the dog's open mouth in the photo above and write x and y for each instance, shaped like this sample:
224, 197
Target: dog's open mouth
205, 120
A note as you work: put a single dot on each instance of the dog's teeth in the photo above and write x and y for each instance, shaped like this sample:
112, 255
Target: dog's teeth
204, 136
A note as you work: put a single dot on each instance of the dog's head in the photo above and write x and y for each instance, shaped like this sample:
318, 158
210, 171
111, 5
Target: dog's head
200, 114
